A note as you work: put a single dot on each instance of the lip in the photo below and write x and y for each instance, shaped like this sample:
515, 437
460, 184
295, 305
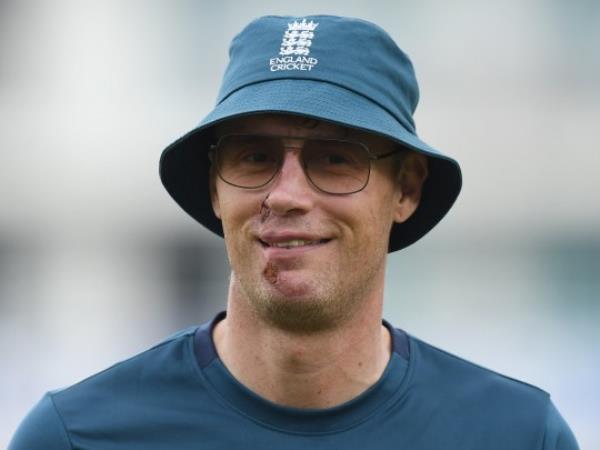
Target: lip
267, 241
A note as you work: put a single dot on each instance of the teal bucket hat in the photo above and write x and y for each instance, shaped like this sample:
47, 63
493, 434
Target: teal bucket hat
336, 69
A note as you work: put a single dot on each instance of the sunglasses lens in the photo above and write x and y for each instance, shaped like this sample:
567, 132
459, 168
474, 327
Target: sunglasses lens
336, 166
248, 161
333, 166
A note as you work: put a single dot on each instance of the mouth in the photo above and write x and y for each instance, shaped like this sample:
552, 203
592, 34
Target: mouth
293, 243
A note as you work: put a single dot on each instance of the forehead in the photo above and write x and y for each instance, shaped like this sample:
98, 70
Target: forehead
298, 126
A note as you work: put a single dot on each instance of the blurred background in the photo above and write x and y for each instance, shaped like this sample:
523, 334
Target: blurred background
97, 262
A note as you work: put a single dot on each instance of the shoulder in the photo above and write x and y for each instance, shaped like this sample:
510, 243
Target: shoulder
41, 429
105, 398
557, 434
165, 363
471, 381
166, 359
486, 400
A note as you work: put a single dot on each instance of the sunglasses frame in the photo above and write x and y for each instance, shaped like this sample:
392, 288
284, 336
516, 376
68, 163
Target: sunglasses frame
213, 149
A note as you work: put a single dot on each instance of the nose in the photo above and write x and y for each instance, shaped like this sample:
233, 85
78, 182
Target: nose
291, 190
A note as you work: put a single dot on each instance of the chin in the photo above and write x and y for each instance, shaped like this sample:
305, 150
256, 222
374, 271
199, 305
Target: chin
298, 317
299, 310
299, 300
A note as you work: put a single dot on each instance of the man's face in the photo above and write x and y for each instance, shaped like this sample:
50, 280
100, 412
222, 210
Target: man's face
306, 260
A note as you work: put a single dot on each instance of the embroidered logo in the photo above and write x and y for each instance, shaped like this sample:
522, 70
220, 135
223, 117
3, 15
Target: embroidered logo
295, 48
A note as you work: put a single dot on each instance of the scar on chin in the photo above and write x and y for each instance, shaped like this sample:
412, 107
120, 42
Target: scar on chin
271, 272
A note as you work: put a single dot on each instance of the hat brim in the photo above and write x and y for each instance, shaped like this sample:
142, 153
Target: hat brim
185, 167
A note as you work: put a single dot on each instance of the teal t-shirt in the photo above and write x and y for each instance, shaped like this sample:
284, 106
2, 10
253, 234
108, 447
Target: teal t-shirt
178, 395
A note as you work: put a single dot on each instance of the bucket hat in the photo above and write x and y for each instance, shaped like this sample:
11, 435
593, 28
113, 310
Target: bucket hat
341, 70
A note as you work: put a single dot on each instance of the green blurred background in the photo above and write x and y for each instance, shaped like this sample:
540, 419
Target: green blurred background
96, 261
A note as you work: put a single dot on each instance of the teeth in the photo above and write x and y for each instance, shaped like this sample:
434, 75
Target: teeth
293, 243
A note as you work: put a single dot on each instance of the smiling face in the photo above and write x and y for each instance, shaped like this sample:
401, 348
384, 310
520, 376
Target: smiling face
302, 259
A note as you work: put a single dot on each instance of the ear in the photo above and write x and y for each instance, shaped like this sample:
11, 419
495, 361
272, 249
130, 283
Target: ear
214, 198
214, 195
411, 175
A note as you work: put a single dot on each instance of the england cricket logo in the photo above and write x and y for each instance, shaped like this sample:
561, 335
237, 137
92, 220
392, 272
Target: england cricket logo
295, 47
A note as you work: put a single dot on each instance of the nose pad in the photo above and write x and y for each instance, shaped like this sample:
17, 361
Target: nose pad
292, 171
290, 189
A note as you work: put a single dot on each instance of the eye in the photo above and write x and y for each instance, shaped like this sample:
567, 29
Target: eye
334, 153
335, 158
256, 157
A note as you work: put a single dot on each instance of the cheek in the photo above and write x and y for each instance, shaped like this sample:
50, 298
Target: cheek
377, 220
236, 212
234, 219
367, 224
235, 225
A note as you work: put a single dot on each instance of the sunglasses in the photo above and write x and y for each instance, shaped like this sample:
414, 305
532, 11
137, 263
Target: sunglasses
333, 166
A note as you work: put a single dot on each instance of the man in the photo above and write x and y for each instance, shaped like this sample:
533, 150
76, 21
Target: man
310, 168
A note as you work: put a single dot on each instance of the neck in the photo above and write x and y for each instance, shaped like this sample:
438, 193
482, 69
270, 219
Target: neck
315, 370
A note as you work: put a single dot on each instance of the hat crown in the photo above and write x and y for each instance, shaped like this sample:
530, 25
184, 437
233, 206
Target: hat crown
351, 53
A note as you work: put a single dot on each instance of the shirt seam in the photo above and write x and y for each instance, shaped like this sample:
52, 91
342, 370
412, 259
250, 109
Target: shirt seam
169, 341
480, 367
544, 426
62, 421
